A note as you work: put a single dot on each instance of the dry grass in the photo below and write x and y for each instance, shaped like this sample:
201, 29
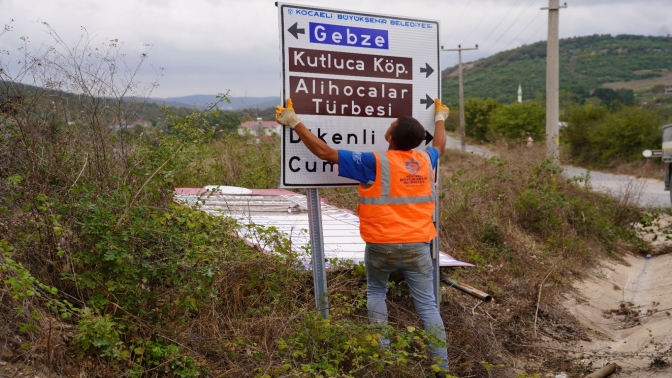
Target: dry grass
651, 168
525, 265
526, 261
528, 230
641, 85
169, 292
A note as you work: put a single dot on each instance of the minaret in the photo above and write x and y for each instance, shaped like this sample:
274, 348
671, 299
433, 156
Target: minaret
520, 93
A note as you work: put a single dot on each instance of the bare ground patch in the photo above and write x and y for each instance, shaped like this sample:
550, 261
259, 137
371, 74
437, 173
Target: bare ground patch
640, 85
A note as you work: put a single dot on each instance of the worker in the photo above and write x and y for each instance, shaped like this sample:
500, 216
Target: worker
396, 205
529, 142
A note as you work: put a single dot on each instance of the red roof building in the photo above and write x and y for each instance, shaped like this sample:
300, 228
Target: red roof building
259, 128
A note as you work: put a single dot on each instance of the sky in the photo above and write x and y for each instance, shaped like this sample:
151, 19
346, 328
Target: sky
219, 46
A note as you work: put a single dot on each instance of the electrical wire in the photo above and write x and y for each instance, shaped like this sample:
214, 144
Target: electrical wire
458, 20
536, 17
481, 21
537, 31
513, 23
503, 18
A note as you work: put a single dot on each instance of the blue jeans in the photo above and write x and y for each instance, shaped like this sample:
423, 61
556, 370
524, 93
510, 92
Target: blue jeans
415, 263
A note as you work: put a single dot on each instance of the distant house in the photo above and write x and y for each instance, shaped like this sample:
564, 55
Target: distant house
129, 125
259, 127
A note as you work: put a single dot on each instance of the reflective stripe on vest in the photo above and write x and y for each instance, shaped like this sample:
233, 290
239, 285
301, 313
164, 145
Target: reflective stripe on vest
385, 198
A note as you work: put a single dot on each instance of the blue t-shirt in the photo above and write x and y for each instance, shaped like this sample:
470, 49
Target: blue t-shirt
361, 166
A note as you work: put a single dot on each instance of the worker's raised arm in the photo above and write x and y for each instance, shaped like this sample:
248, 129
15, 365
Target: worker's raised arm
287, 116
440, 116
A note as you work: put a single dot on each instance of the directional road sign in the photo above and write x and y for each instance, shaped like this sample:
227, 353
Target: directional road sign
350, 75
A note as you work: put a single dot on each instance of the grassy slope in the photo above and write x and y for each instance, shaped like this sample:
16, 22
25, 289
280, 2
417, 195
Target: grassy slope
585, 63
169, 291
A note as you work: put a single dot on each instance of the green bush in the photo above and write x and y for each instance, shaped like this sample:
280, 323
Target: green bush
98, 335
340, 347
594, 136
477, 114
626, 133
148, 356
516, 120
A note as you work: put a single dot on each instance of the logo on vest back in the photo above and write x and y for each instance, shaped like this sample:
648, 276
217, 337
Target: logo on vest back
413, 166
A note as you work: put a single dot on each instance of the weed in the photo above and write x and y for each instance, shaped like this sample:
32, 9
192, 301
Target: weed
98, 334
90, 232
165, 358
658, 363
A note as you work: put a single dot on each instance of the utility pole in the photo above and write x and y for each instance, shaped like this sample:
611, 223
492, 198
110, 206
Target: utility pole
459, 49
553, 81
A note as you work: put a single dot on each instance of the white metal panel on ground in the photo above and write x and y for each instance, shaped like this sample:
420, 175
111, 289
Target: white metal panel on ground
288, 213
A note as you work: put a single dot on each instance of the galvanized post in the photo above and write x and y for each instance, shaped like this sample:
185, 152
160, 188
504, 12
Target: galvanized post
436, 272
317, 249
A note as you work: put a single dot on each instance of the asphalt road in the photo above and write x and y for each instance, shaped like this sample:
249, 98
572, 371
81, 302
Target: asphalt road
646, 192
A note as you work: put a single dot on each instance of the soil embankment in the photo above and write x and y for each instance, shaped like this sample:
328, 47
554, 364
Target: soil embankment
626, 309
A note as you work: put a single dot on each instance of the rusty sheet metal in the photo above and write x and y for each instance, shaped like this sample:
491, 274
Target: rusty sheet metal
287, 212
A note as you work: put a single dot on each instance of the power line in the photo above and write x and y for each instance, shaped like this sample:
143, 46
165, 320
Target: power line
481, 21
502, 20
531, 34
513, 23
458, 20
536, 17
537, 31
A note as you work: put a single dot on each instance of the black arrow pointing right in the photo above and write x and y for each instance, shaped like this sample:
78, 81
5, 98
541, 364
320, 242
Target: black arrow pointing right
294, 29
427, 69
427, 101
428, 137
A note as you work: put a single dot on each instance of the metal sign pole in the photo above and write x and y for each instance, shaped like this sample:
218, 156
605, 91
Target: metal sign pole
317, 249
436, 272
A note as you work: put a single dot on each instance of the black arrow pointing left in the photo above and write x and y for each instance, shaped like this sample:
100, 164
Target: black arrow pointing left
427, 69
294, 29
427, 101
428, 137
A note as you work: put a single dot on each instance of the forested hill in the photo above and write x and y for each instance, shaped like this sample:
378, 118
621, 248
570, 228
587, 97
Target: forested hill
585, 64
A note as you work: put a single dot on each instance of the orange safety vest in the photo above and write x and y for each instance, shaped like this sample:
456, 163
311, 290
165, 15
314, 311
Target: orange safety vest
398, 207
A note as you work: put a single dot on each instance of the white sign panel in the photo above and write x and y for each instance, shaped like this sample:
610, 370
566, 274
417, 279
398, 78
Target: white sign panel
350, 75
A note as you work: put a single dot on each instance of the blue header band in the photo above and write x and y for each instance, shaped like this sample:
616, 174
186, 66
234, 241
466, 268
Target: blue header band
348, 36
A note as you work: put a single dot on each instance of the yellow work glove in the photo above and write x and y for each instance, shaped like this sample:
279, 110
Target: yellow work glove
441, 111
286, 116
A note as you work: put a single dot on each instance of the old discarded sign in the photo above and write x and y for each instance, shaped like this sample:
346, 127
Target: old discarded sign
287, 213
350, 75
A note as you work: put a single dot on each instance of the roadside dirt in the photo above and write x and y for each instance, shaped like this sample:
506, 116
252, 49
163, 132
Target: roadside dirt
626, 308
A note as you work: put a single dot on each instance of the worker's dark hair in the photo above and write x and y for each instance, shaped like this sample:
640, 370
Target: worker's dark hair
408, 133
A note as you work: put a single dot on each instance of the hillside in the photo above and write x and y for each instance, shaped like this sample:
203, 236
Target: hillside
133, 110
130, 108
585, 64
202, 101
